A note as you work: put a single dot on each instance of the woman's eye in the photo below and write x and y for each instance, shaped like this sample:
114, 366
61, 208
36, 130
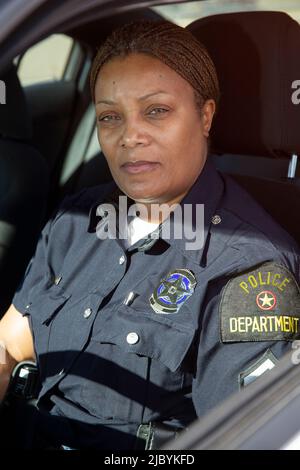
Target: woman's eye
156, 111
108, 118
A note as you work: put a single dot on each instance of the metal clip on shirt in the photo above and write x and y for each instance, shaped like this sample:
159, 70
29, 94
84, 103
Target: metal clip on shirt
130, 298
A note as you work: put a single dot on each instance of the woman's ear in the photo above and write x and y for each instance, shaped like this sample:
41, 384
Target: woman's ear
208, 111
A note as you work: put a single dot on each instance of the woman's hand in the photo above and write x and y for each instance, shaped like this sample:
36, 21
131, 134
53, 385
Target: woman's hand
16, 345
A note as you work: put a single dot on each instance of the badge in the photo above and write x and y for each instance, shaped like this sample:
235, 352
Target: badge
173, 291
262, 304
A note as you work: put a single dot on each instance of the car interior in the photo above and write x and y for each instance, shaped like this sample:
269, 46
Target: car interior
49, 146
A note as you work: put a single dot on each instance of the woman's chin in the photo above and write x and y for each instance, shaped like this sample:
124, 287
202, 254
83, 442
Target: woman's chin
142, 192
144, 197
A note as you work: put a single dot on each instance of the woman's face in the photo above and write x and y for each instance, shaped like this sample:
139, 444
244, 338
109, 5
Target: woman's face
149, 129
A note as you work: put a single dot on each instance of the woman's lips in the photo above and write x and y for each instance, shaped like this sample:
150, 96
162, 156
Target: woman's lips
139, 167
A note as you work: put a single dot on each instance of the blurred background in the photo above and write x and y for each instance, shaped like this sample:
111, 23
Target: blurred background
47, 60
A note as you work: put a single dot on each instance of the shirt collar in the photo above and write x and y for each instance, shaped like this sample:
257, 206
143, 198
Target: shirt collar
207, 190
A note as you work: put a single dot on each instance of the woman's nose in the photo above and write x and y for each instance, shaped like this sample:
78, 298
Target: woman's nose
133, 135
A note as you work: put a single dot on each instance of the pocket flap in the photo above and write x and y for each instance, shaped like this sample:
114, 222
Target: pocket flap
140, 334
45, 304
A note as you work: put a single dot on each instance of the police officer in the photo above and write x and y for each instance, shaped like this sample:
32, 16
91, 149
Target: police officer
135, 337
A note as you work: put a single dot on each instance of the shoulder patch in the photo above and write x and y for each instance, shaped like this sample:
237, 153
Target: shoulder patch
261, 305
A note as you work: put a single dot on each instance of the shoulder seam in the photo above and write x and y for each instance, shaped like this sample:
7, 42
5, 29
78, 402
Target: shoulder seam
254, 227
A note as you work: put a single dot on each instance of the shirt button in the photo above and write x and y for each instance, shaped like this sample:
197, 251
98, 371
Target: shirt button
57, 280
87, 313
132, 338
122, 260
216, 219
28, 306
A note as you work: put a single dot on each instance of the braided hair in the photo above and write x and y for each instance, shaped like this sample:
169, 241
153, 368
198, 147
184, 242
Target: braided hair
173, 45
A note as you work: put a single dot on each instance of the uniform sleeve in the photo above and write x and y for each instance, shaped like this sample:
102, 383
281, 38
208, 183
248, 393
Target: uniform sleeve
249, 321
36, 270
39, 267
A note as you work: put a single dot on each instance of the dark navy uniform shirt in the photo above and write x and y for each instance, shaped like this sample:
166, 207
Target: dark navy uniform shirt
106, 367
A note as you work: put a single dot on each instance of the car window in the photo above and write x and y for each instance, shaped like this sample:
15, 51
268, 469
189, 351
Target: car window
46, 60
185, 13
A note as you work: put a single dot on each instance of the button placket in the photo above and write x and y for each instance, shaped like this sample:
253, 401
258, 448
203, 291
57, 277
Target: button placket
92, 304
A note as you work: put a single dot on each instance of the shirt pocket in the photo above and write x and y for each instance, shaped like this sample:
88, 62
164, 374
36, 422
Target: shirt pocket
46, 303
140, 300
138, 331
136, 361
